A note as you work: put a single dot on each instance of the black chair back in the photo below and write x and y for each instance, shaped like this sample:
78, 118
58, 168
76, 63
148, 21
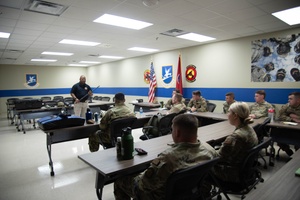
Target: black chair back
211, 107
50, 103
165, 124
186, 183
117, 125
69, 100
45, 99
58, 98
95, 98
261, 131
11, 101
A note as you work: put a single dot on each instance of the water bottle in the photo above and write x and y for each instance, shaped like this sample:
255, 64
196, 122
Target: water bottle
119, 148
96, 116
88, 115
271, 114
141, 111
127, 148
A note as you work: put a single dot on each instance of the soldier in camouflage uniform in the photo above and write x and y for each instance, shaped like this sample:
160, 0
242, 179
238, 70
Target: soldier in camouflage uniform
260, 107
177, 103
290, 112
169, 103
197, 103
236, 145
229, 99
185, 152
103, 136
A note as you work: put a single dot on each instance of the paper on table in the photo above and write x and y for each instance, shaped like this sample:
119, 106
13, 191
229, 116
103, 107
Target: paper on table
291, 123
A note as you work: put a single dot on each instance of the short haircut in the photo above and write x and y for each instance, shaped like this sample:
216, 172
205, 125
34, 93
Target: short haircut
186, 122
177, 91
261, 92
231, 94
197, 92
119, 97
296, 94
178, 96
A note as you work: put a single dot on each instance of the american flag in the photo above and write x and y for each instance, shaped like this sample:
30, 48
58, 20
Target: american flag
153, 84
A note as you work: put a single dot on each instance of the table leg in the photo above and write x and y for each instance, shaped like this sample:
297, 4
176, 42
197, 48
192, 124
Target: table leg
100, 180
272, 154
49, 142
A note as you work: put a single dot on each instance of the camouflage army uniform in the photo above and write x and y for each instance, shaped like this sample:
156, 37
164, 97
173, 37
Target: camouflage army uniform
260, 109
169, 103
200, 105
226, 107
284, 113
177, 108
233, 151
286, 110
118, 111
151, 183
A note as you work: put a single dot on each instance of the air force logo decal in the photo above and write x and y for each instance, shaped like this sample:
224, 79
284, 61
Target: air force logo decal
31, 81
167, 74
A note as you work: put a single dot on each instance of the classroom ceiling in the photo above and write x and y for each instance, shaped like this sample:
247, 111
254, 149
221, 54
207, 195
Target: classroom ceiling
33, 33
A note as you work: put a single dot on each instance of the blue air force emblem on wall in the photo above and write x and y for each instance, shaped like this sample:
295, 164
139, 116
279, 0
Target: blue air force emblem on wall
167, 74
31, 81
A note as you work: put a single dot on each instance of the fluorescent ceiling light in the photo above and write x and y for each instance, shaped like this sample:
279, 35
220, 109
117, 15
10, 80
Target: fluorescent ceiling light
142, 49
122, 22
43, 60
111, 57
57, 53
196, 37
77, 65
89, 62
4, 35
78, 42
290, 16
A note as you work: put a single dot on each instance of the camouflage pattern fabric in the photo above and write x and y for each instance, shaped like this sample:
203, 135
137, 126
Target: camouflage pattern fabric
177, 108
118, 111
169, 104
260, 109
200, 105
286, 110
151, 183
233, 151
226, 107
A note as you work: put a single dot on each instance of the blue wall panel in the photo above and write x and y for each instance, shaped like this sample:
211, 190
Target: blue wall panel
277, 96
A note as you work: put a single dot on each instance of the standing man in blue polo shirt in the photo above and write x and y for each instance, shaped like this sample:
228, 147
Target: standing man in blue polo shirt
80, 93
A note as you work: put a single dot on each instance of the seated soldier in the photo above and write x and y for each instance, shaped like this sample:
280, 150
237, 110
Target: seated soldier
103, 136
197, 103
177, 103
186, 151
260, 107
291, 113
229, 99
236, 145
169, 103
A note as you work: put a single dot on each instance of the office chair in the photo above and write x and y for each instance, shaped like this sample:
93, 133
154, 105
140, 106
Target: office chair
186, 183
261, 132
116, 127
211, 107
164, 127
45, 99
105, 99
95, 98
69, 100
249, 175
186, 101
139, 100
58, 98
10, 103
50, 103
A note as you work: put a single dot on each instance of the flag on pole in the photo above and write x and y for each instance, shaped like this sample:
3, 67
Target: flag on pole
179, 77
153, 84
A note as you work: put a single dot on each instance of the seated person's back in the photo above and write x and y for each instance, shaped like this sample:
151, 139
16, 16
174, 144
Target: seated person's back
234, 149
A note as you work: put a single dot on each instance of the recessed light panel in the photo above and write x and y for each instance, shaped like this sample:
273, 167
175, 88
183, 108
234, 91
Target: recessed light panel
43, 60
142, 49
4, 35
196, 37
57, 53
89, 62
78, 42
77, 65
290, 16
111, 57
122, 22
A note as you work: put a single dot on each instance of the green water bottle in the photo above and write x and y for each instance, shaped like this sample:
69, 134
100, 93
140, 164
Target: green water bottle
127, 144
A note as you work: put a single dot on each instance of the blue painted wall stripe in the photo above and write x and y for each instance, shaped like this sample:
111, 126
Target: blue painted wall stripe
276, 95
